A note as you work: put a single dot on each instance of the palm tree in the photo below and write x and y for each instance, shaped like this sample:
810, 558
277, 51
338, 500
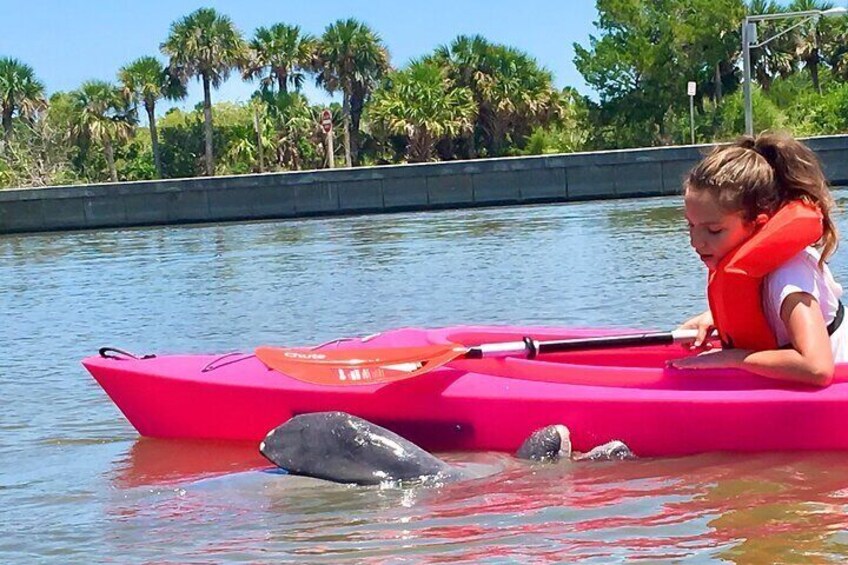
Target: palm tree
102, 114
279, 54
206, 45
466, 62
774, 59
808, 41
146, 80
512, 92
294, 136
350, 57
424, 105
517, 96
837, 50
20, 92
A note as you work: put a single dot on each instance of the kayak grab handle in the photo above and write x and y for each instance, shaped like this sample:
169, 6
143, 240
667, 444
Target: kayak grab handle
115, 353
219, 362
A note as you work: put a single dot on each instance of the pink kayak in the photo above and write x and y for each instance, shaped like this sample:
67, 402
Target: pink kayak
625, 393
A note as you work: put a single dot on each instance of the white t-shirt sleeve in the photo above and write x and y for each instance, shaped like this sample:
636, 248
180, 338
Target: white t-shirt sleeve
796, 275
799, 274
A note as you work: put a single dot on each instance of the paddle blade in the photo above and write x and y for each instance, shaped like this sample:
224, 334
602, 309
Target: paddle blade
357, 366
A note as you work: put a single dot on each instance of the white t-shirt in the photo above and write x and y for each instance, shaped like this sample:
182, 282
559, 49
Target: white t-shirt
802, 274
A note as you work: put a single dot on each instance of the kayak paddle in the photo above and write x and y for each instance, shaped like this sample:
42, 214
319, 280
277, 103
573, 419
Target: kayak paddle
366, 366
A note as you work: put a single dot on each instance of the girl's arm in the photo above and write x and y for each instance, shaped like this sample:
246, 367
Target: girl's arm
811, 358
809, 361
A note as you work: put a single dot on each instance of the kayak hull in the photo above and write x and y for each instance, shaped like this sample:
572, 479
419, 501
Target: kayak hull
490, 404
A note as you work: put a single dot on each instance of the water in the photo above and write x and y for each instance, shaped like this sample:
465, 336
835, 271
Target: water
79, 485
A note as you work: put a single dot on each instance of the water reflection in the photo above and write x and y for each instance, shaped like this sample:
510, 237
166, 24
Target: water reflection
735, 508
153, 461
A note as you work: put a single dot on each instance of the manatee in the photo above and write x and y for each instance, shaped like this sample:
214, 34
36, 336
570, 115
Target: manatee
546, 445
612, 450
342, 448
553, 443
346, 449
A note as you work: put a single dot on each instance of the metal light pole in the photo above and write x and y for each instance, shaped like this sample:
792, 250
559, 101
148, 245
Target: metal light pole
749, 41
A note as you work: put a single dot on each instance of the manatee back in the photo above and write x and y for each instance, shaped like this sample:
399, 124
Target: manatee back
339, 447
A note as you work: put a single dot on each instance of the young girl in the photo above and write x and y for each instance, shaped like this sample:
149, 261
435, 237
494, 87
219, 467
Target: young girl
759, 214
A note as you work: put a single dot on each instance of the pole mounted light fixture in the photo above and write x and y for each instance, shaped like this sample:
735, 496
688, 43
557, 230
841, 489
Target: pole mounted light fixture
749, 41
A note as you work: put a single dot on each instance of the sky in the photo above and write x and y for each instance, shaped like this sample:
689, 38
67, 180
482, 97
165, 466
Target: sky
70, 41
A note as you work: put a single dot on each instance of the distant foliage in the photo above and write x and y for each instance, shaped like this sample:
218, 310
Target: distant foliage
470, 98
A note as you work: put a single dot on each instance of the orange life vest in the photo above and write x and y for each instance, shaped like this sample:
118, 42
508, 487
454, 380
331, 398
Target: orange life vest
734, 288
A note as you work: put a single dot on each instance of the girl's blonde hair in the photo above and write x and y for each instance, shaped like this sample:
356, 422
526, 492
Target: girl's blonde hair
759, 175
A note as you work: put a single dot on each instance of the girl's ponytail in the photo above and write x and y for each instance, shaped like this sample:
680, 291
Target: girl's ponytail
798, 175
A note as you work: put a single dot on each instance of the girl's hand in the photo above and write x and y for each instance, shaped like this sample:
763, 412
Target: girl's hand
720, 359
704, 324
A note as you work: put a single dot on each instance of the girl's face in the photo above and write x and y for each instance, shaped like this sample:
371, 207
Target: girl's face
714, 232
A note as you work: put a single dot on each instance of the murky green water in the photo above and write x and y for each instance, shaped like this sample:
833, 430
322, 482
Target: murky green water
78, 485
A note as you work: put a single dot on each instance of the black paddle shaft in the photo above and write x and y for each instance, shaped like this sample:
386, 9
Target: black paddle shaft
583, 344
531, 347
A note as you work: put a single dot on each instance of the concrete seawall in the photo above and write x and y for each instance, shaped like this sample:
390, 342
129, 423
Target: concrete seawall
485, 182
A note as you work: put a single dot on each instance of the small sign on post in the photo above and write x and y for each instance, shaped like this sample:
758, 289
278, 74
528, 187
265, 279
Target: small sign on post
690, 90
327, 126
327, 121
